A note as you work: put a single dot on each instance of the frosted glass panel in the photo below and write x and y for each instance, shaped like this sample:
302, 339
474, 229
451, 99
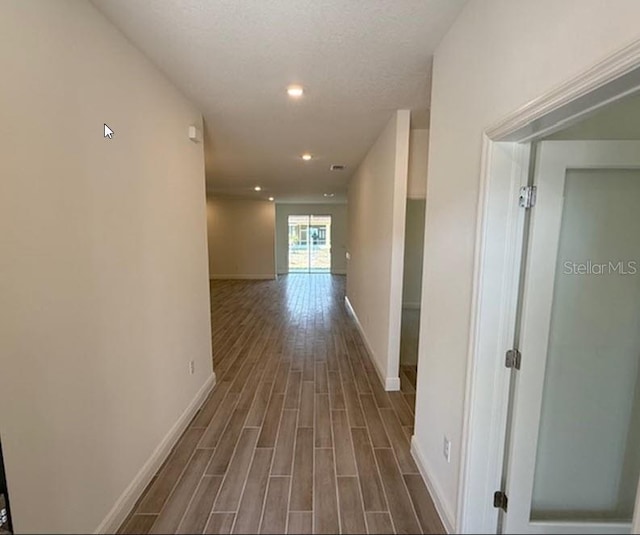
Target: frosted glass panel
588, 456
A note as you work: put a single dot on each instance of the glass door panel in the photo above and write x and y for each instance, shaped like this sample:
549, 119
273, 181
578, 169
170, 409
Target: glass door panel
588, 454
320, 244
298, 243
309, 244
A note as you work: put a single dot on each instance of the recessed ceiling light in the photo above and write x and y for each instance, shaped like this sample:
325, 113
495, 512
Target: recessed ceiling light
306, 156
295, 91
329, 194
257, 188
271, 199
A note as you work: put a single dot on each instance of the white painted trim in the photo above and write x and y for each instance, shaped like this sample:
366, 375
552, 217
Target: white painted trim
127, 500
496, 277
636, 514
396, 275
265, 276
390, 384
411, 305
533, 118
333, 272
446, 516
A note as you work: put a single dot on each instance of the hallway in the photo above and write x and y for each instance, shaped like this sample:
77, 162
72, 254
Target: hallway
298, 436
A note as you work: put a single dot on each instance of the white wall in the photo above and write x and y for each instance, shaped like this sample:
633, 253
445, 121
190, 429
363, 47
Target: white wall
338, 213
241, 238
497, 56
103, 274
377, 197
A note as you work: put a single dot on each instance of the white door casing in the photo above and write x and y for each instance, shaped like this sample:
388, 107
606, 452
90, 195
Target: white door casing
498, 258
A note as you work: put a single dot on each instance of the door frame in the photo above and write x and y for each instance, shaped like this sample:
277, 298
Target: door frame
505, 167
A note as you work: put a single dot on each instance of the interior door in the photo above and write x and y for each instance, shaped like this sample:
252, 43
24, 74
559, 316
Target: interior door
574, 454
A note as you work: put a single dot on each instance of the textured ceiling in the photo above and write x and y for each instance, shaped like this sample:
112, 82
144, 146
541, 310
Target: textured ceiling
358, 60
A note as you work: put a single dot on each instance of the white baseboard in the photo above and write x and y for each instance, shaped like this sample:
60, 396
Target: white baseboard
334, 272
411, 305
390, 384
264, 276
129, 497
446, 517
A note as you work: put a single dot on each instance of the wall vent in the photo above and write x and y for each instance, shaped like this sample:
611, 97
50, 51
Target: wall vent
337, 167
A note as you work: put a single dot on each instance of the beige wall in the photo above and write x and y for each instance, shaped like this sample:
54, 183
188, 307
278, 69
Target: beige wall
497, 56
338, 213
103, 274
377, 197
415, 217
241, 238
418, 159
620, 120
413, 253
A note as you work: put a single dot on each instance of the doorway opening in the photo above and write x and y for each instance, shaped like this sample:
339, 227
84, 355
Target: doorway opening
574, 431
6, 525
558, 194
411, 293
309, 244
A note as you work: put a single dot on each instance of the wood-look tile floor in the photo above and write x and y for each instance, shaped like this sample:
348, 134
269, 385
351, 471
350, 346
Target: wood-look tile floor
298, 436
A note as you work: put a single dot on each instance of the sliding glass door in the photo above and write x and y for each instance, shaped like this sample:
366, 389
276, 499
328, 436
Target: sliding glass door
309, 244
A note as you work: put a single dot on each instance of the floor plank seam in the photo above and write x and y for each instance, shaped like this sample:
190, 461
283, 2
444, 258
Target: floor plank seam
283, 346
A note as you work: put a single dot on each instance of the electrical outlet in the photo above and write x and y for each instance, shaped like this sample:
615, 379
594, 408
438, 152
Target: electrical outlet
192, 367
446, 449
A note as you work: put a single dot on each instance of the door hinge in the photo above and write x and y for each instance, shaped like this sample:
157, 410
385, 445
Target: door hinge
513, 359
500, 500
528, 196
